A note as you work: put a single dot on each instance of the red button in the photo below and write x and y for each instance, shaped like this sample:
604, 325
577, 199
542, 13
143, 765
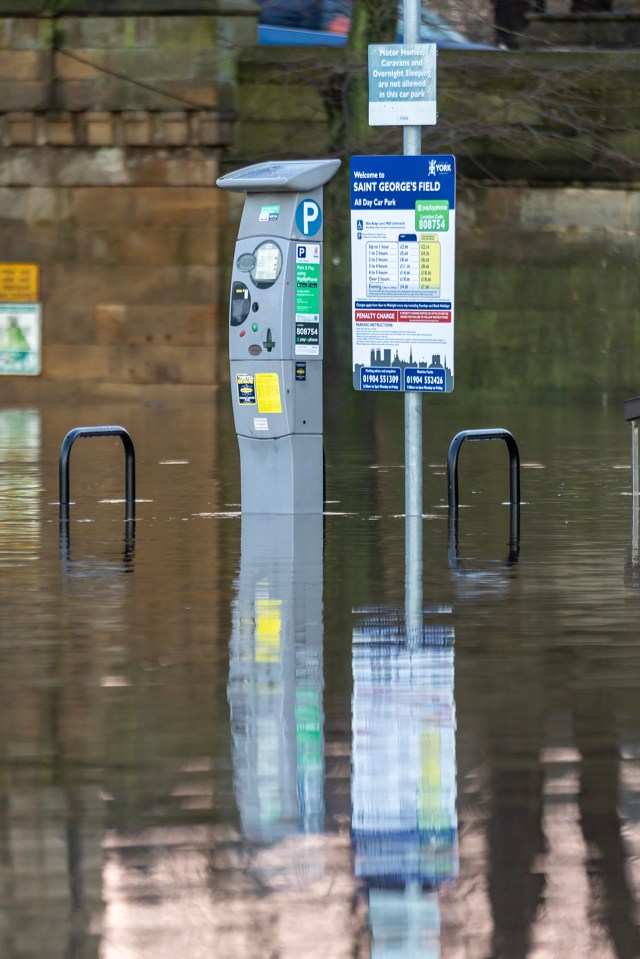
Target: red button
242, 332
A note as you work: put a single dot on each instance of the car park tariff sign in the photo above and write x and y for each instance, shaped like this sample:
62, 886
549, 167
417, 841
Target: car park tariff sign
403, 272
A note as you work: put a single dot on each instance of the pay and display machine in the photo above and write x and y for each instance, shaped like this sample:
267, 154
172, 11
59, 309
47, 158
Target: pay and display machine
275, 334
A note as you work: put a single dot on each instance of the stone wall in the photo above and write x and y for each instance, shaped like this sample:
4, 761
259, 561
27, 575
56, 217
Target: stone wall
114, 128
548, 288
618, 30
111, 128
539, 117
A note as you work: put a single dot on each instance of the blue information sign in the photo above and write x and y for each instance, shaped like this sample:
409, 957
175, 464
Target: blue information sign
403, 271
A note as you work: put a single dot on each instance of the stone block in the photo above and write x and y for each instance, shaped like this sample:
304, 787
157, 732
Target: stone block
20, 129
107, 93
174, 130
137, 128
199, 95
573, 209
256, 140
132, 284
60, 130
112, 233
99, 129
30, 33
161, 207
74, 363
177, 167
27, 95
72, 325
301, 101
102, 206
115, 93
76, 65
201, 245
153, 66
93, 32
191, 33
133, 245
162, 364
13, 203
111, 323
209, 131
20, 66
127, 31
178, 325
47, 208
83, 167
100, 166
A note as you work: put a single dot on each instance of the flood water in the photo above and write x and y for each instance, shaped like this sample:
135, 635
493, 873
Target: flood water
240, 737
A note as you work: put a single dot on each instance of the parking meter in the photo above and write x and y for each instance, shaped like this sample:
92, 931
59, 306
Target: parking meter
275, 334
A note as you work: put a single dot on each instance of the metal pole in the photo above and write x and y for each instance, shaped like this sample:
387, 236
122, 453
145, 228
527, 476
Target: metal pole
412, 145
632, 416
635, 467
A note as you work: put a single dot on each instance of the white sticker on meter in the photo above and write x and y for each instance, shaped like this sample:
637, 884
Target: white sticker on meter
260, 423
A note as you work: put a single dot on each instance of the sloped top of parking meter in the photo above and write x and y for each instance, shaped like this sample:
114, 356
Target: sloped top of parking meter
290, 176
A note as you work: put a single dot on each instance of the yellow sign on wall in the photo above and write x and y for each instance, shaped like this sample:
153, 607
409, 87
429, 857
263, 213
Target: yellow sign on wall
19, 282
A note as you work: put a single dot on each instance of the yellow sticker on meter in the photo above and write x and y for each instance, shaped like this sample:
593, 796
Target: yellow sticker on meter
268, 393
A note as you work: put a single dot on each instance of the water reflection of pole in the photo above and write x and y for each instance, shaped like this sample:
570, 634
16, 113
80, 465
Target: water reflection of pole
403, 789
632, 416
276, 677
413, 576
635, 492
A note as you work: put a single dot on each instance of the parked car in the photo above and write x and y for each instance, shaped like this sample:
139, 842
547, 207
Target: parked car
327, 22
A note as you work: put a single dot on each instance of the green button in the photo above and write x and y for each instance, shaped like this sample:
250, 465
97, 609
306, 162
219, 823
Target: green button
254, 327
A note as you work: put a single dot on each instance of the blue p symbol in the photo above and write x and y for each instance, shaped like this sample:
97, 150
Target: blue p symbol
308, 217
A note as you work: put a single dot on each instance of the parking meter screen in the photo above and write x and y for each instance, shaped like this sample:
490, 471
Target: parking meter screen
268, 264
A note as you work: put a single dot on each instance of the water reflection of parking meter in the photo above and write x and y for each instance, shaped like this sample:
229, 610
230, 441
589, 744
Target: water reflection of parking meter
276, 679
403, 791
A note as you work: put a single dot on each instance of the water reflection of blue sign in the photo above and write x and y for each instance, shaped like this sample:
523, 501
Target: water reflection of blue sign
403, 790
276, 679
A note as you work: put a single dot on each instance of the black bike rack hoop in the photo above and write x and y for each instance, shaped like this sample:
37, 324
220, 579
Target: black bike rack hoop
514, 488
473, 436
130, 465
